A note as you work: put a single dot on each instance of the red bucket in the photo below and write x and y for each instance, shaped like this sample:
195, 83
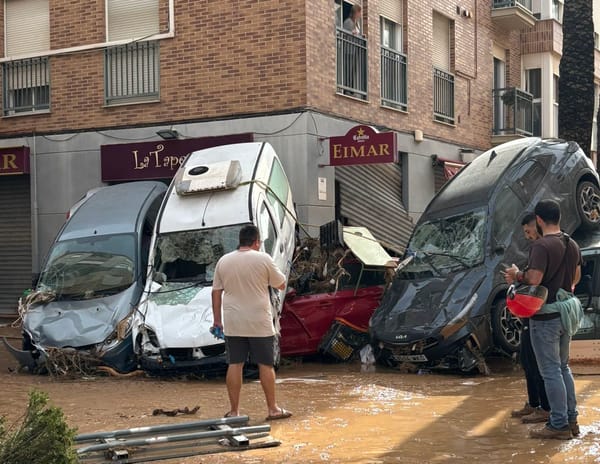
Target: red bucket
526, 300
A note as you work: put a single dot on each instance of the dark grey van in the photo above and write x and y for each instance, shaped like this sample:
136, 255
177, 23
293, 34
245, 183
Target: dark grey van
446, 309
93, 279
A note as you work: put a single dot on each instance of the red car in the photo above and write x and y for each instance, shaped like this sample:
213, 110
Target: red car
306, 318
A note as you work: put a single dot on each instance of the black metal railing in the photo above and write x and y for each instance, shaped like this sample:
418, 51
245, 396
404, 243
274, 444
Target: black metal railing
351, 64
26, 85
131, 72
393, 79
512, 3
443, 96
513, 112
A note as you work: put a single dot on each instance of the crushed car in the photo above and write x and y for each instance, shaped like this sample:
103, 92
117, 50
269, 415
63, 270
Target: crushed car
446, 309
334, 287
79, 314
214, 193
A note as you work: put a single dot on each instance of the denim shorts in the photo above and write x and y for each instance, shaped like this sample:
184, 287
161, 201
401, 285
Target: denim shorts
258, 350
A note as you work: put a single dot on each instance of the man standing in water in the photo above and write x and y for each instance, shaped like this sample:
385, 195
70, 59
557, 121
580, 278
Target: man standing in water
537, 408
554, 262
241, 288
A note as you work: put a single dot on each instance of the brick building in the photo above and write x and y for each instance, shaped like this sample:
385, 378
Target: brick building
89, 84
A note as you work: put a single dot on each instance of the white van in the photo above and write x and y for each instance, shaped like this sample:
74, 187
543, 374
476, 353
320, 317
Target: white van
215, 192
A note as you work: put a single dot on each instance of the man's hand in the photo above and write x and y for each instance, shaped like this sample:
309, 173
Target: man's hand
510, 274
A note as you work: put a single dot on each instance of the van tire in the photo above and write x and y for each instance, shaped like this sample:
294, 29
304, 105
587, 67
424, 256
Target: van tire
506, 328
588, 204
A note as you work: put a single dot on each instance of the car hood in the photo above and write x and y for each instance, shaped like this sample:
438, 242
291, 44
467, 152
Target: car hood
426, 305
77, 323
180, 318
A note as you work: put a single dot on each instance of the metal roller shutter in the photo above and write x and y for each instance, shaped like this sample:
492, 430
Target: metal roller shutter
15, 241
27, 26
391, 9
128, 19
371, 196
441, 42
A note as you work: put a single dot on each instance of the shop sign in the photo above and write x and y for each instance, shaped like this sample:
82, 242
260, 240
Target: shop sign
14, 160
156, 160
362, 145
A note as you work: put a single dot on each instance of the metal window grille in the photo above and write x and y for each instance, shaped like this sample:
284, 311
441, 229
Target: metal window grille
351, 64
131, 73
512, 3
393, 79
513, 112
443, 96
26, 86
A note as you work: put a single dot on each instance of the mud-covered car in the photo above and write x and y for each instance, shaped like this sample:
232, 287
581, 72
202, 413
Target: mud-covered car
447, 308
91, 282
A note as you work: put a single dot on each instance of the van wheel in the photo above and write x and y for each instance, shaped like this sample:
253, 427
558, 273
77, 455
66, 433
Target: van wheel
588, 204
506, 328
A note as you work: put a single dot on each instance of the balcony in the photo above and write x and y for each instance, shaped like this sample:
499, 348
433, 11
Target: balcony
393, 79
351, 64
443, 96
513, 114
513, 14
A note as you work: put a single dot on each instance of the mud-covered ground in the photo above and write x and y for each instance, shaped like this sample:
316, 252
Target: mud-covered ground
342, 414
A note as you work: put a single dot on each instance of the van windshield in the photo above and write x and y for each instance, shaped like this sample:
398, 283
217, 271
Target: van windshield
90, 267
191, 256
448, 244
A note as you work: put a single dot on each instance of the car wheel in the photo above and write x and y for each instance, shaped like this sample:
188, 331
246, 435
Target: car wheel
588, 204
506, 328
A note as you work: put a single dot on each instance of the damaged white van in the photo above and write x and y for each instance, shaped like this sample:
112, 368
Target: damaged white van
215, 192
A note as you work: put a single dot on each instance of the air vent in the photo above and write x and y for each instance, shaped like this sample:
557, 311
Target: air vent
208, 177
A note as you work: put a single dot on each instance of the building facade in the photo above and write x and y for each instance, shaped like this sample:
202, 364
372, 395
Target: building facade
90, 91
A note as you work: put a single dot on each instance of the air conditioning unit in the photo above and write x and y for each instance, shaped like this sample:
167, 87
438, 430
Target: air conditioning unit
209, 177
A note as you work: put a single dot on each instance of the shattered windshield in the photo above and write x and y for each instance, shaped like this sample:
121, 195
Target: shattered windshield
191, 256
448, 244
90, 267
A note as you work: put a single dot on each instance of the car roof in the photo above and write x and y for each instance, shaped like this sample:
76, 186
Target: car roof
111, 210
475, 182
217, 208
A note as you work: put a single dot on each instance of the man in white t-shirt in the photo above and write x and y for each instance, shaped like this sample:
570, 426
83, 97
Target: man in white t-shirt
242, 309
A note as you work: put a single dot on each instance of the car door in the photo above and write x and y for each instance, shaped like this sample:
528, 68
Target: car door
586, 342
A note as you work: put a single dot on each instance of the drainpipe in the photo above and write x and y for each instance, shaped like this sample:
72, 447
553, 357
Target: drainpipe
35, 248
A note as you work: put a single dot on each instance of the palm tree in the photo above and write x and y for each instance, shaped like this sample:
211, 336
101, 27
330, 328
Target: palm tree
576, 85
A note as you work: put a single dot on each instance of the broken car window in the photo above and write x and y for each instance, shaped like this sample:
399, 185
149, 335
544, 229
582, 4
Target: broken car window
448, 243
91, 267
191, 256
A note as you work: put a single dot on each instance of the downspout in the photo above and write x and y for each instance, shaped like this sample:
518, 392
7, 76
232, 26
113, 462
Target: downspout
63, 51
35, 248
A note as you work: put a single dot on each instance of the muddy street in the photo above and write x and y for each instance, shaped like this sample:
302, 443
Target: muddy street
342, 413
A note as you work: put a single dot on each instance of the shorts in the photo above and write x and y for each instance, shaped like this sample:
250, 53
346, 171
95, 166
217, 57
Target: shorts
260, 349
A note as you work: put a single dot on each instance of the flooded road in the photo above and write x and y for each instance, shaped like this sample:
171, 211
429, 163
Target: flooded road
342, 414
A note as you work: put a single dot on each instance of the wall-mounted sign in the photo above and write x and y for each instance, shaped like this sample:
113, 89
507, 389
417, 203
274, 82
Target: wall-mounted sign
156, 160
363, 145
14, 160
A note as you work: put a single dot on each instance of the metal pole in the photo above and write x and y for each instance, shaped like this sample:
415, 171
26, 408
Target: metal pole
160, 428
174, 438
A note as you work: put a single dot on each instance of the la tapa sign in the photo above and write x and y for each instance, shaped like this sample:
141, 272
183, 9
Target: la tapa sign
363, 145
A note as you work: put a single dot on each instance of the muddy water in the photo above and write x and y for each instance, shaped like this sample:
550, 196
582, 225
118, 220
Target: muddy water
342, 413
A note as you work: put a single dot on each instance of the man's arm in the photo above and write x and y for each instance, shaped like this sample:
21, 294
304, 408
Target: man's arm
577, 277
217, 298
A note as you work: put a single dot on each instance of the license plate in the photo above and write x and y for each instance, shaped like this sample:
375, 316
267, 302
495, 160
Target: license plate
411, 357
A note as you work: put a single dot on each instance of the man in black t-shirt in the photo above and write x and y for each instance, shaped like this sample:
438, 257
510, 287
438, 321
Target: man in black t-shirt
554, 262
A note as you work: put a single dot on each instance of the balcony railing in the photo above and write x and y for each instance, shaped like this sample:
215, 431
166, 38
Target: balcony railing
393, 79
131, 73
512, 3
513, 112
443, 96
351, 64
26, 86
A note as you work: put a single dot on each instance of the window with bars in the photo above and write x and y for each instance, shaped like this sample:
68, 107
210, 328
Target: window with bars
443, 79
132, 73
132, 70
393, 65
26, 86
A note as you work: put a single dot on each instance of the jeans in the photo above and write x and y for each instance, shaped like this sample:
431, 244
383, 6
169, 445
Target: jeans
550, 343
536, 391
